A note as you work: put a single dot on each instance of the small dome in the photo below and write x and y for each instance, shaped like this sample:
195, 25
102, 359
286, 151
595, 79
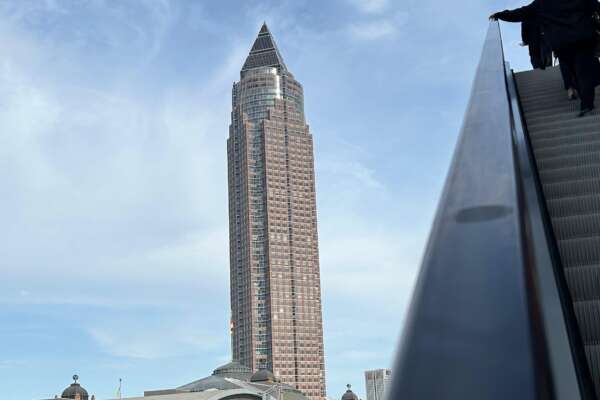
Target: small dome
233, 370
349, 395
263, 375
75, 389
232, 367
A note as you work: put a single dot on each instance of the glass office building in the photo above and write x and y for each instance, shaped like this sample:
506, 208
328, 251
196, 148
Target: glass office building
377, 383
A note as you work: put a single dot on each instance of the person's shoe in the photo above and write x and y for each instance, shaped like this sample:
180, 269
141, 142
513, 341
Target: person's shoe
572, 93
585, 111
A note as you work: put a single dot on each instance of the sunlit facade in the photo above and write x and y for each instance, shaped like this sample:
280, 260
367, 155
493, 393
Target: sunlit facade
377, 383
276, 319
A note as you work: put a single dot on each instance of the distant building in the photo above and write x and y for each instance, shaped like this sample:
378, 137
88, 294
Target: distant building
74, 392
276, 318
349, 394
377, 382
232, 381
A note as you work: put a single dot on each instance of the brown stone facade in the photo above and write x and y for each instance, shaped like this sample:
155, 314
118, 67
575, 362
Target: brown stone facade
276, 317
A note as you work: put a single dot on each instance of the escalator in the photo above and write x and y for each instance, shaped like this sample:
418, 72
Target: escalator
507, 303
566, 150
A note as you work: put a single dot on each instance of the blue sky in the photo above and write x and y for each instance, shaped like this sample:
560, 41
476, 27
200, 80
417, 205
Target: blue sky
113, 121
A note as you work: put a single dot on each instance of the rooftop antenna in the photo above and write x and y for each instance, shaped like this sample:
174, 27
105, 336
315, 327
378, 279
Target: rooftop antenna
119, 389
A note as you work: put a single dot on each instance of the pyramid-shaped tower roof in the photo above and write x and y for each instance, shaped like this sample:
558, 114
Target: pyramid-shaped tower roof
264, 52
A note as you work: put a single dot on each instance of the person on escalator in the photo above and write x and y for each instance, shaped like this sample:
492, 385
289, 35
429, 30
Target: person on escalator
540, 53
569, 28
532, 36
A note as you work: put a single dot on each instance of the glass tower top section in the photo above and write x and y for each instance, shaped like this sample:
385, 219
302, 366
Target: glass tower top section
264, 53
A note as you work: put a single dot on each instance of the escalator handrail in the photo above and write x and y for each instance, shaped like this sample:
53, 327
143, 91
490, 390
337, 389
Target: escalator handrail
468, 334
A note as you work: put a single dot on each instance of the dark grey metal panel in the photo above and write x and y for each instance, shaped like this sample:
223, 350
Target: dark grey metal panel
468, 333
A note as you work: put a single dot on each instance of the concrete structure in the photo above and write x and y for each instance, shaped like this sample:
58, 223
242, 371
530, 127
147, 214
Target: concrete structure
209, 395
377, 383
232, 381
276, 317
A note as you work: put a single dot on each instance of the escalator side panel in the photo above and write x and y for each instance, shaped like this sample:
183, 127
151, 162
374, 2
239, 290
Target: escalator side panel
567, 154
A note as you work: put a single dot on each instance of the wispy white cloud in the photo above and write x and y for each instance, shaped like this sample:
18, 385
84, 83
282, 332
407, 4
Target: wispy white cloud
378, 28
353, 170
373, 30
370, 6
367, 263
163, 339
362, 254
104, 183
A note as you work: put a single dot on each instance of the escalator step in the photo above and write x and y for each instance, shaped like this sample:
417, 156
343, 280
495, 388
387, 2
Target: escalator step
557, 114
584, 282
592, 353
580, 226
588, 316
566, 139
573, 129
569, 161
567, 174
570, 120
573, 206
580, 252
570, 106
572, 189
567, 150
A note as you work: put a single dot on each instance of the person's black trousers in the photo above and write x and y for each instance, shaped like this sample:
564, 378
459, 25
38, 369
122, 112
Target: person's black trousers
579, 58
568, 75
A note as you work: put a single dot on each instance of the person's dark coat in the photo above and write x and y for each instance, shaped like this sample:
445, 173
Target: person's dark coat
529, 32
565, 22
533, 36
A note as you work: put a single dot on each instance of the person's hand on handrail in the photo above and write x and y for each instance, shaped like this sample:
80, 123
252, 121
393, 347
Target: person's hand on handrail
494, 17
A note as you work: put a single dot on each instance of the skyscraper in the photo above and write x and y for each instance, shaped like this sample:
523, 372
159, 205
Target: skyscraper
377, 382
276, 317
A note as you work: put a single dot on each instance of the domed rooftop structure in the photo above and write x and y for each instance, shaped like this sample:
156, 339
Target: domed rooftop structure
263, 375
233, 370
224, 385
74, 390
212, 382
349, 395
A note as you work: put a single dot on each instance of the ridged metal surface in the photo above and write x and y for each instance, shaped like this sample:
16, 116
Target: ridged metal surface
567, 153
584, 282
572, 206
593, 356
